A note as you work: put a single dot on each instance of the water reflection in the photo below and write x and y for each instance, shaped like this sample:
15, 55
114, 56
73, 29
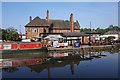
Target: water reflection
11, 69
39, 62
53, 62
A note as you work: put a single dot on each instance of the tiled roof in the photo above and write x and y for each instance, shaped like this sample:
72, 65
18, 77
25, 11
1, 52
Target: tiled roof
113, 32
70, 34
37, 21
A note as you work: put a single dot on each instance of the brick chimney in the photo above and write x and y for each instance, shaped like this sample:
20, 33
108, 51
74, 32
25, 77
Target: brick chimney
71, 22
47, 16
30, 18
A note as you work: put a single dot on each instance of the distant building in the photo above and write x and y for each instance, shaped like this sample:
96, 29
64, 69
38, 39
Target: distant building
115, 33
38, 25
22, 36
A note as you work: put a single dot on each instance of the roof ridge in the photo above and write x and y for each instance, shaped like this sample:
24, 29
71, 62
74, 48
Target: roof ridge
37, 17
56, 19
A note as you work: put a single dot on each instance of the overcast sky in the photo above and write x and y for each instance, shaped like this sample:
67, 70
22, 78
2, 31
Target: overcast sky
101, 14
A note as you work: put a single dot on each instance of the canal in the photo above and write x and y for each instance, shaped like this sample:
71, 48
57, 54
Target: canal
76, 64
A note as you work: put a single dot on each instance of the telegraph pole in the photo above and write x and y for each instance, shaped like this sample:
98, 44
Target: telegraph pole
90, 26
90, 35
20, 32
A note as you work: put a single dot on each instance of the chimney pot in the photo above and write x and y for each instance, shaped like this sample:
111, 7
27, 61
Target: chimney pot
47, 16
30, 18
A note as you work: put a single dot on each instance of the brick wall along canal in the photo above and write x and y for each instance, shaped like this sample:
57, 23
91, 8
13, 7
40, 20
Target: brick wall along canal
76, 64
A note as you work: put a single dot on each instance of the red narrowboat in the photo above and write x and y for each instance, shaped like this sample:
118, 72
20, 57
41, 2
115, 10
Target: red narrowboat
7, 47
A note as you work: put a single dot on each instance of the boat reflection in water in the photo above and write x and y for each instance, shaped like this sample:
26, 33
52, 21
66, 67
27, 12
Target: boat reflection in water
52, 60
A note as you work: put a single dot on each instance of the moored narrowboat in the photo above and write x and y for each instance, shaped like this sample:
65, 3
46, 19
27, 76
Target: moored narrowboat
6, 63
13, 47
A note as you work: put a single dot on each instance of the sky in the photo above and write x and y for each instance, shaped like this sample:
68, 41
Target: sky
60, 0
100, 14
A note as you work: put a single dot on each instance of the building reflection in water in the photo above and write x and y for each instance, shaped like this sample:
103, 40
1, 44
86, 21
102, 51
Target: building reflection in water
58, 60
72, 67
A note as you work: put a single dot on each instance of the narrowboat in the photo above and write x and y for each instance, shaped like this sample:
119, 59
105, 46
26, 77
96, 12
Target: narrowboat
16, 47
6, 63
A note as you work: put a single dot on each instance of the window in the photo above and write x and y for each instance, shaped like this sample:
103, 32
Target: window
28, 29
34, 30
37, 29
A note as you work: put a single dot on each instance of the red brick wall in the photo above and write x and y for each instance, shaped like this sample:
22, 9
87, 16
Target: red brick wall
30, 34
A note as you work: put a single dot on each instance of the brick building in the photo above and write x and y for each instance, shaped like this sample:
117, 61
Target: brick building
38, 25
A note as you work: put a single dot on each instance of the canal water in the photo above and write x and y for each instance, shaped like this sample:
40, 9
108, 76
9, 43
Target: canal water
77, 64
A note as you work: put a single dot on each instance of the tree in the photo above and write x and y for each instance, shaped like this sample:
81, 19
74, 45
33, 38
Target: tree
111, 27
85, 30
10, 34
67, 21
110, 38
102, 31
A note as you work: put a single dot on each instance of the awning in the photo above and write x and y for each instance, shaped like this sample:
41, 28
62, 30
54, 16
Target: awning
53, 37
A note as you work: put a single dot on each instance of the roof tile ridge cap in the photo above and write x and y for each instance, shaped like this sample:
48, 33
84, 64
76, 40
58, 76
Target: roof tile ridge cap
37, 17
